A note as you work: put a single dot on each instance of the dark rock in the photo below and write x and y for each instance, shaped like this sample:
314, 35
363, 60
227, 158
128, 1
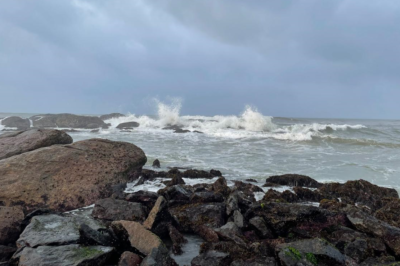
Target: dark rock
91, 237
147, 198
381, 261
182, 131
129, 259
177, 240
24, 141
247, 189
207, 196
212, 258
112, 115
64, 255
156, 163
305, 194
310, 252
54, 229
67, 177
265, 261
158, 257
289, 196
251, 180
359, 191
176, 180
294, 180
206, 233
220, 186
215, 172
332, 205
196, 131
67, 121
6, 253
238, 219
193, 215
259, 224
128, 125
176, 193
390, 212
357, 250
18, 122
114, 210
69, 130
95, 131
10, 221
193, 173
273, 196
229, 229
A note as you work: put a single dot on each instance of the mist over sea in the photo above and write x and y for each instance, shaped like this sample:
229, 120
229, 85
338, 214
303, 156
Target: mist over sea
253, 145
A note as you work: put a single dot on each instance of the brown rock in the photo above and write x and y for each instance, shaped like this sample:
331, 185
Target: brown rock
294, 180
156, 214
220, 186
10, 221
19, 142
129, 259
138, 236
390, 213
67, 177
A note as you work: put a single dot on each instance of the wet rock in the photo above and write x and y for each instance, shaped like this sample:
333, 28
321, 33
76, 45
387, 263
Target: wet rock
247, 189
304, 194
360, 192
19, 142
114, 210
172, 127
156, 163
220, 186
91, 237
139, 237
128, 125
95, 131
215, 172
158, 257
212, 258
67, 177
206, 233
54, 230
294, 180
10, 221
129, 259
357, 250
177, 194
273, 196
176, 180
381, 261
193, 173
177, 240
251, 180
147, 198
193, 215
6, 253
390, 212
17, 122
182, 131
207, 196
229, 229
67, 121
112, 115
260, 225
310, 252
64, 255
289, 196
265, 261
332, 205
157, 214
238, 219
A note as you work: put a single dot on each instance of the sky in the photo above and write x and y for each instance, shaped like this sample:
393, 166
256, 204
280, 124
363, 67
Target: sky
292, 58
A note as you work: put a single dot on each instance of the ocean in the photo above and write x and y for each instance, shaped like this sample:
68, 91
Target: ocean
253, 145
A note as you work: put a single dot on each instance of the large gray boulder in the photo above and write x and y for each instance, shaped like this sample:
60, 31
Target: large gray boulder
23, 141
16, 122
67, 121
69, 255
67, 177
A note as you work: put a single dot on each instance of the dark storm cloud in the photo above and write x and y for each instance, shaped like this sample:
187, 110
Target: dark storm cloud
333, 58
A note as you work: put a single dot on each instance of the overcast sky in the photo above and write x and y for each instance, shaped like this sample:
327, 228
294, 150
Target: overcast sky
296, 58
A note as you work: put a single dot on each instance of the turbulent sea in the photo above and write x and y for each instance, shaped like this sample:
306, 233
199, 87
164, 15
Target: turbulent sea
252, 145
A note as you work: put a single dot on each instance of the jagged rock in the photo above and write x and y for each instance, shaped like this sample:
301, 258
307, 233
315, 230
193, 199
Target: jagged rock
304, 194
229, 229
266, 261
273, 196
17, 122
381, 261
206, 233
332, 205
207, 196
114, 210
357, 250
129, 259
176, 180
54, 229
158, 257
182, 131
147, 198
193, 215
156, 163
177, 240
67, 121
289, 196
128, 125
139, 237
6, 253
390, 212
261, 227
215, 172
112, 115
310, 252
10, 222
359, 191
238, 219
177, 194
68, 255
67, 177
157, 214
247, 189
91, 237
294, 180
220, 186
212, 258
193, 173
19, 142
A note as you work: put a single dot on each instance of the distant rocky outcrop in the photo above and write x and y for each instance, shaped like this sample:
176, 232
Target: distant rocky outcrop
65, 177
19, 142
67, 121
112, 115
128, 125
16, 122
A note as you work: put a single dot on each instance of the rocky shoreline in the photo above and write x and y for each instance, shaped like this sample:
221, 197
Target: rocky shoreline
44, 177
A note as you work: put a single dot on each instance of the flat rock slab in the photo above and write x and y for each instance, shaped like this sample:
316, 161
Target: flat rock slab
67, 177
24, 141
54, 229
139, 237
69, 255
115, 210
10, 221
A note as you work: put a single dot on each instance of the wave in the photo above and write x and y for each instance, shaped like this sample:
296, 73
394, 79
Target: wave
359, 142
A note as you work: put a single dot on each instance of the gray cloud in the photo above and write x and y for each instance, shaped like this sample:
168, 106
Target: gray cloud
334, 58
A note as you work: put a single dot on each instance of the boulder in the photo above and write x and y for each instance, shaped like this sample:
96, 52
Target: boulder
69, 255
52, 229
129, 259
220, 186
156, 163
157, 214
114, 210
310, 252
182, 131
19, 142
177, 239
6, 253
238, 219
390, 212
16, 122
212, 258
193, 173
147, 198
360, 192
357, 250
112, 115
67, 121
176, 194
128, 125
100, 237
265, 261
294, 180
259, 224
138, 236
305, 194
206, 233
158, 256
207, 196
10, 221
67, 177
193, 215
